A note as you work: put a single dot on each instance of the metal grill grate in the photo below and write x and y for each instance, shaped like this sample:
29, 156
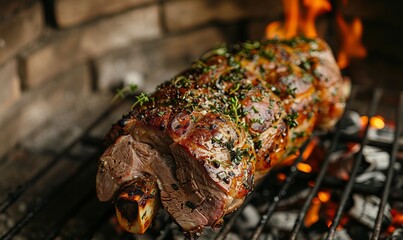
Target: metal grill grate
102, 213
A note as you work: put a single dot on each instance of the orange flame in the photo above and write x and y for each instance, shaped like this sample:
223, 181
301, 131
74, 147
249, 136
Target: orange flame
298, 22
291, 12
291, 15
308, 150
314, 9
312, 216
301, 20
351, 45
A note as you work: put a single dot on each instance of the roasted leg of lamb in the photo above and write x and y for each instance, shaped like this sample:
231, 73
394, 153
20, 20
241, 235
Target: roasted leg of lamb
199, 143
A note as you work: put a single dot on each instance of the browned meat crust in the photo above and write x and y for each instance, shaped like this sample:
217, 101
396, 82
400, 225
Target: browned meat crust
210, 131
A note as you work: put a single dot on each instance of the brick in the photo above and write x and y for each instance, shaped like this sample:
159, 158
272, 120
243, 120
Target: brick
9, 9
10, 90
37, 106
18, 30
122, 30
184, 14
263, 9
73, 12
66, 126
155, 62
49, 57
60, 50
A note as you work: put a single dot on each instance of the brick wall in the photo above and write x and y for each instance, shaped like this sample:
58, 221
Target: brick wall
54, 54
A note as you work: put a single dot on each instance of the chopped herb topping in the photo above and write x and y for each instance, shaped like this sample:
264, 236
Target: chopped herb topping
267, 53
194, 119
251, 45
254, 109
293, 150
235, 109
258, 144
257, 120
237, 155
271, 103
220, 51
291, 91
181, 81
256, 99
235, 88
299, 134
275, 90
291, 120
306, 65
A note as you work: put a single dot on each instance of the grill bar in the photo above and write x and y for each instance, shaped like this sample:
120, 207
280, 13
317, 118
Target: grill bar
353, 174
335, 183
230, 223
45, 200
14, 196
281, 193
97, 225
386, 190
321, 175
69, 215
167, 229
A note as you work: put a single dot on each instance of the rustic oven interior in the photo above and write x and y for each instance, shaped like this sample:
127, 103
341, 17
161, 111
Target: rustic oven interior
348, 187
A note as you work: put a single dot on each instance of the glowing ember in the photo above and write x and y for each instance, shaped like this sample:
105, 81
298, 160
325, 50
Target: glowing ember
304, 167
324, 196
281, 177
377, 122
312, 216
364, 120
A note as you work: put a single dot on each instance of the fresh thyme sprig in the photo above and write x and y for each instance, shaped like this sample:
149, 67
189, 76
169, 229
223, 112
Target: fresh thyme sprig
124, 92
141, 99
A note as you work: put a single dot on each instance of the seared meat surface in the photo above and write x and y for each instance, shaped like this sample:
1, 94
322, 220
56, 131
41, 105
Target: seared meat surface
210, 132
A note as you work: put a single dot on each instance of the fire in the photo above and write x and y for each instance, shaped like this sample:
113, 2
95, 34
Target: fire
351, 46
281, 177
377, 122
312, 216
314, 9
324, 196
311, 146
300, 20
304, 167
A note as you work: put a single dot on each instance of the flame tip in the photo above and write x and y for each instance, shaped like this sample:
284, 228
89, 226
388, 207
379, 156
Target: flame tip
302, 21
